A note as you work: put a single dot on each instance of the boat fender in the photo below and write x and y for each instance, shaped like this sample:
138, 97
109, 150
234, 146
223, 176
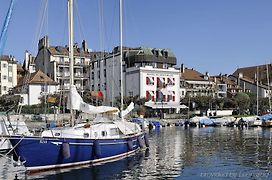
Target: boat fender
146, 138
147, 152
65, 150
97, 149
130, 144
15, 156
141, 142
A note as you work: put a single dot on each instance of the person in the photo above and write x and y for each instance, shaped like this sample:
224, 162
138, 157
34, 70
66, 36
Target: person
87, 125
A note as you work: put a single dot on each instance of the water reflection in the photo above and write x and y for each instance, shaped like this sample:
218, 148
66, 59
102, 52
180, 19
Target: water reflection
178, 153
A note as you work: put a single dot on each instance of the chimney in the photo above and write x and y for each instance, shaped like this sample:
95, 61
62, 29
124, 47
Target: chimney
84, 46
76, 46
182, 68
43, 43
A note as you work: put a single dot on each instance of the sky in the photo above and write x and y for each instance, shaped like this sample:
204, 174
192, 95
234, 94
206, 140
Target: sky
215, 36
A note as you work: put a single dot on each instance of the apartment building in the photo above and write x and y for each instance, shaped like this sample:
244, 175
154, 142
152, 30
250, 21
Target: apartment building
54, 62
8, 73
249, 85
147, 73
196, 83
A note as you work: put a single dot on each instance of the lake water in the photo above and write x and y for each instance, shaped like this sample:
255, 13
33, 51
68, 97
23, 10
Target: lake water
178, 153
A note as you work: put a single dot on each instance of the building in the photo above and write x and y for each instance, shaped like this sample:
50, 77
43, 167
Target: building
196, 83
54, 62
225, 86
32, 90
264, 73
8, 73
249, 85
29, 63
147, 73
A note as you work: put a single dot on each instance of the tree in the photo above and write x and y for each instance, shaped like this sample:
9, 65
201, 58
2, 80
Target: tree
229, 103
9, 102
202, 102
243, 102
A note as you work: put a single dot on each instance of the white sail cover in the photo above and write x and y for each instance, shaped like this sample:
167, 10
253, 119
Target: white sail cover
127, 127
129, 108
74, 99
77, 103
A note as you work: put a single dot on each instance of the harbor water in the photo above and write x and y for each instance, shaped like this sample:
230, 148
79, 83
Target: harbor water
179, 153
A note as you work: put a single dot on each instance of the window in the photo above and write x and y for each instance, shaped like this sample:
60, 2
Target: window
104, 133
114, 131
62, 59
98, 64
165, 66
44, 88
4, 77
84, 70
92, 76
4, 88
10, 79
57, 134
150, 80
105, 73
86, 135
10, 68
154, 65
82, 60
4, 65
98, 74
105, 86
137, 64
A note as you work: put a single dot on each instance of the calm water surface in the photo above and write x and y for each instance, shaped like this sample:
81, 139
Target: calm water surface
178, 153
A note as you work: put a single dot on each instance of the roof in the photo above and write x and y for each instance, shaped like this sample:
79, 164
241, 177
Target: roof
38, 77
20, 68
193, 75
60, 50
10, 59
250, 72
223, 79
251, 81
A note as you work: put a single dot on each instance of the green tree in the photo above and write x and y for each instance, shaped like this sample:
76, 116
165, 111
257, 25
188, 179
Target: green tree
9, 102
243, 102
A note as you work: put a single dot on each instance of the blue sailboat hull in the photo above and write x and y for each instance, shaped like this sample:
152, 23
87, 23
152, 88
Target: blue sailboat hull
48, 153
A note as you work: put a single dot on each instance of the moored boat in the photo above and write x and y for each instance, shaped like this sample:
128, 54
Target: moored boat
105, 139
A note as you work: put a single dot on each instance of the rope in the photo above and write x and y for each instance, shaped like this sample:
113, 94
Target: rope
15, 146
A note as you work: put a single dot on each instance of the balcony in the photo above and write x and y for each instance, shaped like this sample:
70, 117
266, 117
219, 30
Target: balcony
78, 75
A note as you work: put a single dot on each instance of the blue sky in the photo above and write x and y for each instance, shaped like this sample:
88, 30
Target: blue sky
217, 36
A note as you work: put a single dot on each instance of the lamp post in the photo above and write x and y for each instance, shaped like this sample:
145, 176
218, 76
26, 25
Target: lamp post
162, 108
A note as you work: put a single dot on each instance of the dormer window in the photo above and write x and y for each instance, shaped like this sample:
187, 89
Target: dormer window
157, 53
165, 54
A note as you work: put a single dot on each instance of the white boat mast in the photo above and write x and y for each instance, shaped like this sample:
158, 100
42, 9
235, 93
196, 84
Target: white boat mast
121, 57
268, 85
71, 53
257, 77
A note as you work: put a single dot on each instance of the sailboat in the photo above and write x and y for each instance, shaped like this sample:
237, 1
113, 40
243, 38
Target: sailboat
87, 143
